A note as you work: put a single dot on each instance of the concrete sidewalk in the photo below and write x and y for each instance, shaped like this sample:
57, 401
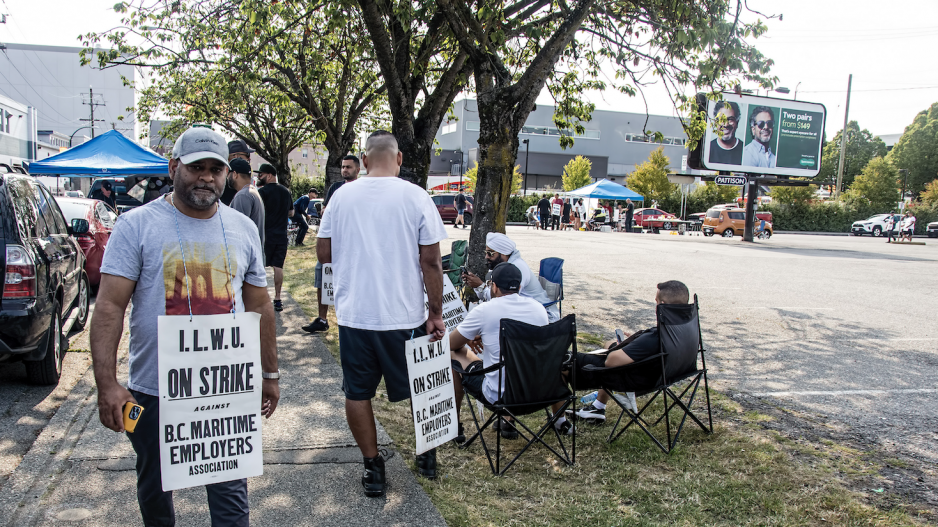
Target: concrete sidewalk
80, 473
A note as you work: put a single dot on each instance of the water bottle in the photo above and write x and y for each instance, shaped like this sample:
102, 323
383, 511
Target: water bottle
589, 398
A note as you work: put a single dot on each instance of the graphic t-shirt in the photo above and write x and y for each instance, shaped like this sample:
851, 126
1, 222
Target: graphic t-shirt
484, 320
277, 205
377, 227
144, 247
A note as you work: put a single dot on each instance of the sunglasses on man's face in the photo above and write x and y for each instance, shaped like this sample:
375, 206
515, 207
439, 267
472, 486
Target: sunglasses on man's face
763, 124
490, 253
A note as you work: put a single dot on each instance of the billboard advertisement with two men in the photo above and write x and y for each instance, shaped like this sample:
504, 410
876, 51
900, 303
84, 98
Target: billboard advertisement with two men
762, 135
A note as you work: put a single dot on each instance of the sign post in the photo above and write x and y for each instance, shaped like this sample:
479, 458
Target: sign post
433, 398
210, 399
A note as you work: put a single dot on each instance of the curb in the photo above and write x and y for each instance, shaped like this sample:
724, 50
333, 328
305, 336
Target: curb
47, 457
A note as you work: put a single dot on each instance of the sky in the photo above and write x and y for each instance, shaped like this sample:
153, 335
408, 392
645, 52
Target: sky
889, 49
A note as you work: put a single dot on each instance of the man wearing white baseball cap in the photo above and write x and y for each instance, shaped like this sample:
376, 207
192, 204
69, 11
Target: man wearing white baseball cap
151, 255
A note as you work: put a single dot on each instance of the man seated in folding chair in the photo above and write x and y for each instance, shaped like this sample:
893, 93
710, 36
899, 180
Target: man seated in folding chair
482, 324
499, 248
636, 347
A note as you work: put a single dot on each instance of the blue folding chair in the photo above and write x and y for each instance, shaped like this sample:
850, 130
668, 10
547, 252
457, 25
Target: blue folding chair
550, 276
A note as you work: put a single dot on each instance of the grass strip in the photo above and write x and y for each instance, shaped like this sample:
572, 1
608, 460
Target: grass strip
740, 475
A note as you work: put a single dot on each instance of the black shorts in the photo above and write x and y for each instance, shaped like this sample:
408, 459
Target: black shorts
589, 380
472, 384
275, 254
368, 355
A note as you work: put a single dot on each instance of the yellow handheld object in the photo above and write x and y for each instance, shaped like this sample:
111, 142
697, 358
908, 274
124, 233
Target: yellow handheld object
132, 413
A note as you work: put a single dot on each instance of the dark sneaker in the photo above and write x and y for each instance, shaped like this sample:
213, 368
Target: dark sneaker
299, 244
565, 428
592, 414
278, 305
426, 464
507, 429
373, 479
460, 436
316, 326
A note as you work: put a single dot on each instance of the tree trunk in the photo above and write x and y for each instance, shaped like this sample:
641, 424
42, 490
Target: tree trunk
498, 149
416, 165
333, 172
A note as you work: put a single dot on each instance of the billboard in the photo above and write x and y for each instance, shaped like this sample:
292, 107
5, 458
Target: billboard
761, 135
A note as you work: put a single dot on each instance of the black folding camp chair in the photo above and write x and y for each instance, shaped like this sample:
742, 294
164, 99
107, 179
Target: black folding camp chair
532, 361
681, 343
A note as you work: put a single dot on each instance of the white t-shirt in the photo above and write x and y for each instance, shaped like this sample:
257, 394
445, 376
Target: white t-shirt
484, 320
377, 227
908, 223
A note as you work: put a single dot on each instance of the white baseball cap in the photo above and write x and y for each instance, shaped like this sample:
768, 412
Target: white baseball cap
198, 143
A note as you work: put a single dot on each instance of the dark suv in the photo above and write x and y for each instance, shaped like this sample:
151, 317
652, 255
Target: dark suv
45, 292
446, 206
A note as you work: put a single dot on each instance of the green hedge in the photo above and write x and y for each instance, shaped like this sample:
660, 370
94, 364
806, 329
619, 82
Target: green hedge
837, 216
517, 205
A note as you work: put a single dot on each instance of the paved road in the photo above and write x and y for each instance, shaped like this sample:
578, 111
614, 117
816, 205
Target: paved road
843, 328
26, 409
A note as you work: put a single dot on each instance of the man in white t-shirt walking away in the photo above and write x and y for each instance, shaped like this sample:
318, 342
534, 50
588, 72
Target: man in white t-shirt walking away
483, 322
382, 236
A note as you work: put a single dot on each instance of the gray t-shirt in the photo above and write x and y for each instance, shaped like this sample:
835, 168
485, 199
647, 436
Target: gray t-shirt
144, 247
248, 202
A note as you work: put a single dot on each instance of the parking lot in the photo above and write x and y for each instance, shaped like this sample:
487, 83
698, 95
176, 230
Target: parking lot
840, 330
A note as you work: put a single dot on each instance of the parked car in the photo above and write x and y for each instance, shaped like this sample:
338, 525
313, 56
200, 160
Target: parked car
730, 222
696, 220
874, 225
446, 206
74, 194
100, 220
932, 229
45, 290
124, 200
654, 219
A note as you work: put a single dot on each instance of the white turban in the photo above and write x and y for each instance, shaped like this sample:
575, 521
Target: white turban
499, 243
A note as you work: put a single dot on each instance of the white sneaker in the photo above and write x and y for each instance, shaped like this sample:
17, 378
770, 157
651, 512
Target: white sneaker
628, 400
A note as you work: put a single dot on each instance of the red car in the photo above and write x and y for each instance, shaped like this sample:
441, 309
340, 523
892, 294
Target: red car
446, 206
649, 218
100, 223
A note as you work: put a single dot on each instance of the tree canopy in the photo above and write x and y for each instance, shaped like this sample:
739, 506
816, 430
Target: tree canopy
650, 179
917, 149
861, 147
577, 173
877, 184
312, 54
793, 195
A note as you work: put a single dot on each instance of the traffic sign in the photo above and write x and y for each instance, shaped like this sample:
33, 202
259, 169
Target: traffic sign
736, 181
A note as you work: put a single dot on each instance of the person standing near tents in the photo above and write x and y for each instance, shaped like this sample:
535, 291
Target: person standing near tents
105, 193
629, 211
543, 210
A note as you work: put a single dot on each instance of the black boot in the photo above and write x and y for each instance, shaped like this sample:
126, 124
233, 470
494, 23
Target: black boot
374, 480
460, 436
426, 464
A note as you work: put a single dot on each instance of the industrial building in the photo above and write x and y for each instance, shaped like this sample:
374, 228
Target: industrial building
615, 142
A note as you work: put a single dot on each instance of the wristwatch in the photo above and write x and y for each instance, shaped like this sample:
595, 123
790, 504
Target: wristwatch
271, 375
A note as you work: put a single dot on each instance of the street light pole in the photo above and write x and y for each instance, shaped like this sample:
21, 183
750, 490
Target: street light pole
796, 90
905, 184
527, 150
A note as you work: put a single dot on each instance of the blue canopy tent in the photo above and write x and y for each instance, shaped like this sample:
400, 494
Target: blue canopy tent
109, 154
605, 189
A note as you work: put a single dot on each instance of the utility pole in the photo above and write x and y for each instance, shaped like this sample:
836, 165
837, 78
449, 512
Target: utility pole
843, 141
91, 102
524, 184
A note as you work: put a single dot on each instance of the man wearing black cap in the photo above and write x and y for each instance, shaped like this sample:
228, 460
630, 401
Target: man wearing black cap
237, 149
278, 206
247, 199
483, 322
106, 194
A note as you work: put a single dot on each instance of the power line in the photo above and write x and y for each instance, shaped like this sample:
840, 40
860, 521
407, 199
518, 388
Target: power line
30, 87
872, 90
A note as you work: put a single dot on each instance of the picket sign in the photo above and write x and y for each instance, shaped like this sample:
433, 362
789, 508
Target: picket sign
432, 396
328, 289
210, 399
454, 311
